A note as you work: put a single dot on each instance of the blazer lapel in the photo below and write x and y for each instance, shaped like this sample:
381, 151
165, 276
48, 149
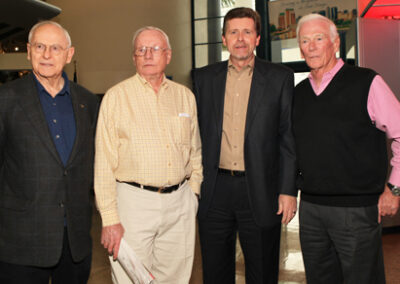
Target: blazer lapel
219, 82
33, 109
81, 121
257, 91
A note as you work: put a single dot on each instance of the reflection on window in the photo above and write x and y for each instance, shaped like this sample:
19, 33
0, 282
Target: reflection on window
207, 29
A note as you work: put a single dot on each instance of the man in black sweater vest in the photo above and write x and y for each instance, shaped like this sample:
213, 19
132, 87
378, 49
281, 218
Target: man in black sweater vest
342, 115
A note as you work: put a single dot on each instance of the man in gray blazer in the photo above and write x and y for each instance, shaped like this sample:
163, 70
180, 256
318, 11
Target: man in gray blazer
47, 126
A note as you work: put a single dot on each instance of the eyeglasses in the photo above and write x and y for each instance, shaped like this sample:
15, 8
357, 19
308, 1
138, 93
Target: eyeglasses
55, 49
155, 50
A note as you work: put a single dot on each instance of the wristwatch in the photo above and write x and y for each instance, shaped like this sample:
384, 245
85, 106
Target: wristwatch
394, 189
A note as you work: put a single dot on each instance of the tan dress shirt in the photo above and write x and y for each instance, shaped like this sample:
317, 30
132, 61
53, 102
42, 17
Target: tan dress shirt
237, 92
146, 137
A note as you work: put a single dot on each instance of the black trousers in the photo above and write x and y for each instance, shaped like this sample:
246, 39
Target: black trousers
341, 244
228, 216
65, 272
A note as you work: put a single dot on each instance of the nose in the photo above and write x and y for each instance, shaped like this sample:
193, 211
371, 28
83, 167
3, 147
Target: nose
312, 45
148, 53
240, 36
47, 52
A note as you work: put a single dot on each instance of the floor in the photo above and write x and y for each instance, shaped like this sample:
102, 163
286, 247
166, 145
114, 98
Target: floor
291, 267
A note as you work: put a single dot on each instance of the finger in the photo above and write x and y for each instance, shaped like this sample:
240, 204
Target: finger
285, 218
280, 209
116, 250
379, 218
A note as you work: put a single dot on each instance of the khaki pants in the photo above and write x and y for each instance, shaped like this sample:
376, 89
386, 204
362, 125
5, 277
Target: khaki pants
160, 228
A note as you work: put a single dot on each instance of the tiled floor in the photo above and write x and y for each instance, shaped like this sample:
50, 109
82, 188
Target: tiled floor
291, 267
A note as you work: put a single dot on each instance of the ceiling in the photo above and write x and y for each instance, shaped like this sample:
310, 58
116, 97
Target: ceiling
16, 19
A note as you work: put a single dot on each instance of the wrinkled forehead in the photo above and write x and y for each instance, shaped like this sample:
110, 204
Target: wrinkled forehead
241, 23
314, 27
150, 38
49, 34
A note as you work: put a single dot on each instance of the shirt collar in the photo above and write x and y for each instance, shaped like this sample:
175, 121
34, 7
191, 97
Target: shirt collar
64, 91
164, 83
332, 72
249, 66
326, 77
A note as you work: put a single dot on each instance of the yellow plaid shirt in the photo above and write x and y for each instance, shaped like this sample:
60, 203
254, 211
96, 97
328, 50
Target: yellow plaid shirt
145, 137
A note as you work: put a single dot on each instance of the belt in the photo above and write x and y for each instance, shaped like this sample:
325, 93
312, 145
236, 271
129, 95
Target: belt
232, 172
168, 189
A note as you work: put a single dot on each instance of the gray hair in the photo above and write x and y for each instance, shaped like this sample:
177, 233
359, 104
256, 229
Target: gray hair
333, 33
149, 28
43, 23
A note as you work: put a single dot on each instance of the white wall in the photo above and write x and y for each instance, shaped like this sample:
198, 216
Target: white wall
102, 32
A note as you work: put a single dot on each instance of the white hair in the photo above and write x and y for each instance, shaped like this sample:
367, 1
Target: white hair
149, 28
43, 23
333, 33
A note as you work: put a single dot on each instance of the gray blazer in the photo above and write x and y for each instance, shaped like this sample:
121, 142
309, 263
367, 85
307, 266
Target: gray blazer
36, 189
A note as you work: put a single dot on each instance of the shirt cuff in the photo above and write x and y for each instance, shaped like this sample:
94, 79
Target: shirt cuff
110, 218
195, 186
395, 177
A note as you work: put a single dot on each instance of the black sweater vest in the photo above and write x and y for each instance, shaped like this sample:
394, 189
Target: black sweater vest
341, 154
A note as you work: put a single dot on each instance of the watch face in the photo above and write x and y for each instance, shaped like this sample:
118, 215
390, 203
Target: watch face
396, 191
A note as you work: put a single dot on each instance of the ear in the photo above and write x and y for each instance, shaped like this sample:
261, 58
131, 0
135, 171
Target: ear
223, 40
169, 55
28, 56
336, 44
70, 54
258, 40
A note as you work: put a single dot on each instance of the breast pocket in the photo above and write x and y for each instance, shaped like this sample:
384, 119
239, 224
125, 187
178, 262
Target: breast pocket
181, 130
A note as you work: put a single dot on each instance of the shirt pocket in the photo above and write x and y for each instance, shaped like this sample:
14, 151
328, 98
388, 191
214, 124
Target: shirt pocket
181, 130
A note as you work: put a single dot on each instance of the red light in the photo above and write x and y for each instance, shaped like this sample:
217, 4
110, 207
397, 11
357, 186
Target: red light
384, 9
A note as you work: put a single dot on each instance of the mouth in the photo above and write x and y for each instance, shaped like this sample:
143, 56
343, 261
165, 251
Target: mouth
46, 64
240, 47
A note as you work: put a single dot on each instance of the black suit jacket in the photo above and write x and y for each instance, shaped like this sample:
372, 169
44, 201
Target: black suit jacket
269, 154
36, 189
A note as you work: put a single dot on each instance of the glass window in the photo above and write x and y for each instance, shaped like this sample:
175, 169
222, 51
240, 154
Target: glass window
208, 18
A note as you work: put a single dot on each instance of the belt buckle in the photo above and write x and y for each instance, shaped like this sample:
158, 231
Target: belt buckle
161, 189
232, 173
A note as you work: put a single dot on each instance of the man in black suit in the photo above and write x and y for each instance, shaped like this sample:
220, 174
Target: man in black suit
244, 107
47, 126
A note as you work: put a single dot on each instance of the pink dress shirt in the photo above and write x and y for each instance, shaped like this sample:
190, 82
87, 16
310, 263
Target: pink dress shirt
383, 109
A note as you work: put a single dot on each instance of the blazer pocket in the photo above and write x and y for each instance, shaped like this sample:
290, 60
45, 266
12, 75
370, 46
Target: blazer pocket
14, 203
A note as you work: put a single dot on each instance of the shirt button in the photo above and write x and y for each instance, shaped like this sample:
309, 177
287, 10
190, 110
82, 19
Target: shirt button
169, 164
55, 120
61, 204
234, 146
54, 104
65, 172
57, 136
167, 146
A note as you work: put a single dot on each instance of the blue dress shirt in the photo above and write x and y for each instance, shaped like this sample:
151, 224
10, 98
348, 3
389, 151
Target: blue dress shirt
59, 115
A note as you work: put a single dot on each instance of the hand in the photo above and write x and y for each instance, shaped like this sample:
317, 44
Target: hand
388, 204
111, 238
287, 206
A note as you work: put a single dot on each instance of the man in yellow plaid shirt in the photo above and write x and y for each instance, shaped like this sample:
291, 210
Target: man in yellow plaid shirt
148, 167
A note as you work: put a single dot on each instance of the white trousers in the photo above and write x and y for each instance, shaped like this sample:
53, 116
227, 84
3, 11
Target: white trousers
160, 228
